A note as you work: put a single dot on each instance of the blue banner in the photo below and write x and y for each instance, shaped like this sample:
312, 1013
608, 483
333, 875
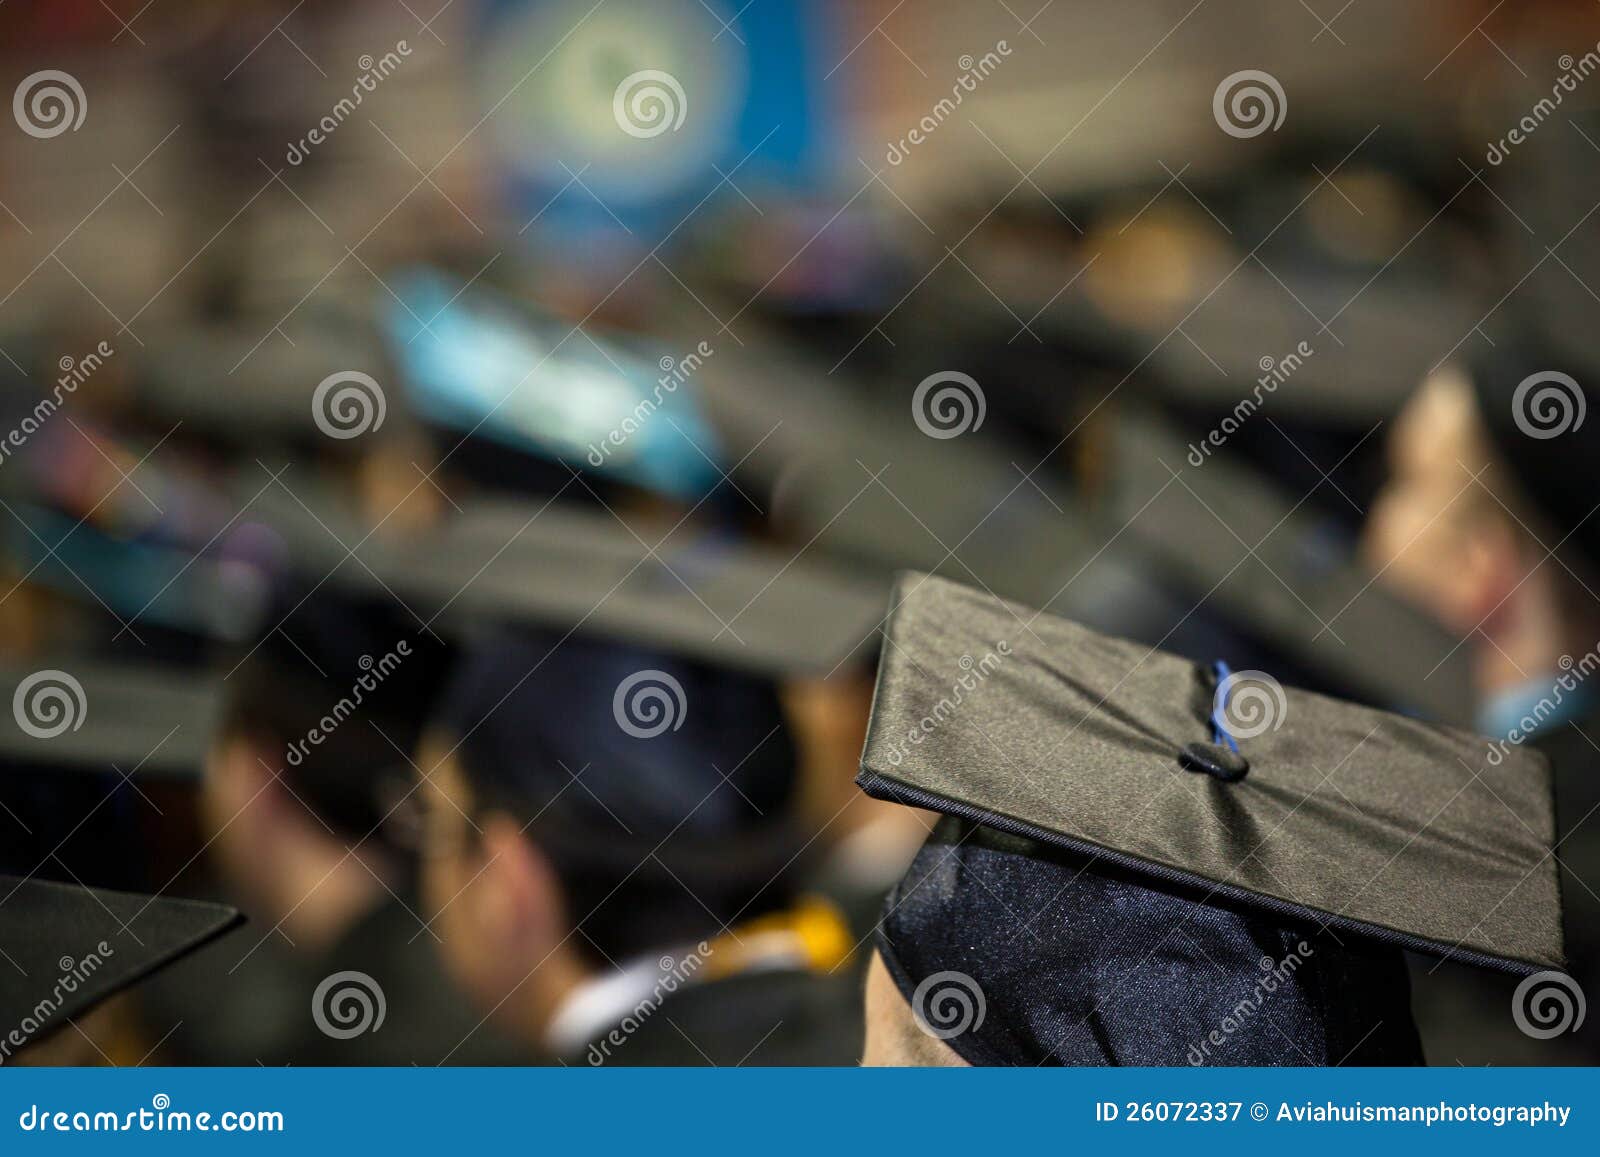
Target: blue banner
815, 1111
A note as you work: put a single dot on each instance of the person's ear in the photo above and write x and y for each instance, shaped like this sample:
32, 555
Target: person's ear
519, 903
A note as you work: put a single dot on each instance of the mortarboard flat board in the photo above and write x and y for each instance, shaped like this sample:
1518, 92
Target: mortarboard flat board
140, 720
911, 478
220, 378
1265, 560
1374, 826
66, 948
1379, 344
701, 594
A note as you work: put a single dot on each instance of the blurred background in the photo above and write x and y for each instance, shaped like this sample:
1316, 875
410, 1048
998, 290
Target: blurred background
390, 386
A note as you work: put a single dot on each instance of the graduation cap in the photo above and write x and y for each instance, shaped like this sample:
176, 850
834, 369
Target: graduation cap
201, 596
73, 713
518, 400
66, 948
1135, 841
217, 378
880, 477
1229, 535
691, 591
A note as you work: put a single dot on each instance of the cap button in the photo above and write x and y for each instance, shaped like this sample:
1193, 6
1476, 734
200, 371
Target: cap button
1216, 760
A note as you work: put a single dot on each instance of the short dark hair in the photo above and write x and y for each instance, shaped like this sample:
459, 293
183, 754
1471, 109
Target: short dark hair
659, 839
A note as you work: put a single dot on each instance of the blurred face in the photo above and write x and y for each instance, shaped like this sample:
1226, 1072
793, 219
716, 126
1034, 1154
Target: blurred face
1434, 533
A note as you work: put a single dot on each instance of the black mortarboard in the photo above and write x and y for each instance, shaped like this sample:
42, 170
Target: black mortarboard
1275, 569
683, 589
134, 719
242, 383
65, 948
1130, 877
921, 479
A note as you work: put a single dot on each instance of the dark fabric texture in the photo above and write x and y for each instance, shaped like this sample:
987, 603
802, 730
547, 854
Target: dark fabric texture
1041, 958
783, 1017
1576, 762
1375, 825
69, 947
657, 838
250, 1002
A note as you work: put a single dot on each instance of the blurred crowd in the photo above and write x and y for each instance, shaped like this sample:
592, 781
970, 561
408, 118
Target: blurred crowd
454, 458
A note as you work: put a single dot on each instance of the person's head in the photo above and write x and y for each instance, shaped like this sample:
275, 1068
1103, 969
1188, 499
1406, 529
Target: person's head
312, 756
999, 951
1483, 518
589, 803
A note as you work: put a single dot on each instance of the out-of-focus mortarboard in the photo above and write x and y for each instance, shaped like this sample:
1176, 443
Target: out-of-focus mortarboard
1228, 535
911, 478
237, 382
1135, 843
70, 713
66, 948
690, 591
